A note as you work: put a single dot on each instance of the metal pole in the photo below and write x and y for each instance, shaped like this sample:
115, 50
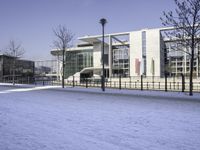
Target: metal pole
103, 79
103, 21
141, 82
63, 53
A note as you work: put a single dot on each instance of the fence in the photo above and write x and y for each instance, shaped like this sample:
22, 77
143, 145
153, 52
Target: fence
136, 82
39, 80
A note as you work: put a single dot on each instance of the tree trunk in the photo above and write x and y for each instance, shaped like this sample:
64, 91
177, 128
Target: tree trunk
191, 74
191, 68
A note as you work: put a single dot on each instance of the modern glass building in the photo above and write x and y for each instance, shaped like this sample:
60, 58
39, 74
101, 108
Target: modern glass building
75, 61
128, 54
23, 68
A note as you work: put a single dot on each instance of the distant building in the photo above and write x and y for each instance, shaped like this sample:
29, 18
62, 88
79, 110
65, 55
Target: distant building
23, 68
48, 68
128, 54
42, 70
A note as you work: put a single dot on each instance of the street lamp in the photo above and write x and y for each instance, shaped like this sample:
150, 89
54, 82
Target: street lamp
63, 67
103, 21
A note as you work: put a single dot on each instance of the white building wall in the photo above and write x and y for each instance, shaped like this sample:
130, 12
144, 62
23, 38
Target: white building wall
135, 51
153, 51
97, 55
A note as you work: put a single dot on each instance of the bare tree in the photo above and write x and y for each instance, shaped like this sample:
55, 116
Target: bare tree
15, 51
186, 32
64, 38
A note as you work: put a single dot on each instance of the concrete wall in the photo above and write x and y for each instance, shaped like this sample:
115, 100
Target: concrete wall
153, 51
135, 51
97, 55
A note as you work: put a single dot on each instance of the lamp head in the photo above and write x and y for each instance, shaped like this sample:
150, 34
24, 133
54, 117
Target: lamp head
103, 21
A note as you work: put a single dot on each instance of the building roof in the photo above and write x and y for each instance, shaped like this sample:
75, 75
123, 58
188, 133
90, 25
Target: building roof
96, 38
59, 52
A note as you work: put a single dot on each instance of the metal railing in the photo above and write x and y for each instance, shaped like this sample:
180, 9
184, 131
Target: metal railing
133, 82
138, 83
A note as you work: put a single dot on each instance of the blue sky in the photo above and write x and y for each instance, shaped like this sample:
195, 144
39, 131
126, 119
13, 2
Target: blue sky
30, 22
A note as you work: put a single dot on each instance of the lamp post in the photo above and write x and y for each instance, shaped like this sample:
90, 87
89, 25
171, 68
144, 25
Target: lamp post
63, 67
103, 21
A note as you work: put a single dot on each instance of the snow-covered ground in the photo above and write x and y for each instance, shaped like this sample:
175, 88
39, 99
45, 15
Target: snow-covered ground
47, 118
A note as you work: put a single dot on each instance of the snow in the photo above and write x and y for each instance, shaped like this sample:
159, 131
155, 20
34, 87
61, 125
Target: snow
51, 118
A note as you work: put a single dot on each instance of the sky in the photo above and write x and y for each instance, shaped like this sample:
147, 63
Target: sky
31, 22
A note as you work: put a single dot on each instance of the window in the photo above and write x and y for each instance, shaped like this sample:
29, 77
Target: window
144, 51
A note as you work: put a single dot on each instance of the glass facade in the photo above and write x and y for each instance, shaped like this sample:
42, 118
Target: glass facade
77, 60
120, 64
179, 61
144, 52
22, 68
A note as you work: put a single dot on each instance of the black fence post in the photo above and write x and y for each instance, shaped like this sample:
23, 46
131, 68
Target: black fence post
86, 80
174, 82
43, 81
166, 82
141, 82
34, 80
178, 85
73, 82
120, 87
28, 80
183, 82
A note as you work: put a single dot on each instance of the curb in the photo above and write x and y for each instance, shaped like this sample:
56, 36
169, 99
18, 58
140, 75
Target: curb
111, 93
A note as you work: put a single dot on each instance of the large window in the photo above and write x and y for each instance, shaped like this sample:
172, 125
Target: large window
77, 60
144, 52
120, 61
179, 61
